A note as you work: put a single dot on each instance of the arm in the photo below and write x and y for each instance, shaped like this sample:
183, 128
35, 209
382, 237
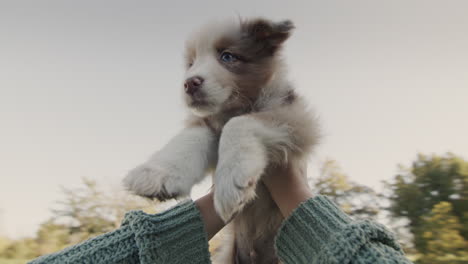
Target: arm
211, 220
178, 235
317, 231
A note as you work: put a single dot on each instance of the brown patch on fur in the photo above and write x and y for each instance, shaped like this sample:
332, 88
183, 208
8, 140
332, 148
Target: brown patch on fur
255, 48
256, 227
193, 121
223, 43
270, 34
290, 97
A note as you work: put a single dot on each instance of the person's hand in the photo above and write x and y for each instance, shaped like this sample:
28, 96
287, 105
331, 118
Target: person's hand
213, 223
288, 186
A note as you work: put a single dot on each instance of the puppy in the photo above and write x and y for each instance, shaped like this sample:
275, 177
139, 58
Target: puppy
246, 119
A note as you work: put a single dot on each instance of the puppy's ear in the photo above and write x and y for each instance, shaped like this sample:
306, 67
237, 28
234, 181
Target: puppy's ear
271, 32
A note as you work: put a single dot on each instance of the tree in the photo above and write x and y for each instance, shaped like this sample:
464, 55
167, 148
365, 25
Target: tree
90, 210
443, 243
356, 200
430, 180
85, 212
52, 237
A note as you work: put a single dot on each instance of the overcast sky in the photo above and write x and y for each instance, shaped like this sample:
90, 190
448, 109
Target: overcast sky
91, 88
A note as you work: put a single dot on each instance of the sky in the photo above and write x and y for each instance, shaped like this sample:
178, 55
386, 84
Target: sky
92, 88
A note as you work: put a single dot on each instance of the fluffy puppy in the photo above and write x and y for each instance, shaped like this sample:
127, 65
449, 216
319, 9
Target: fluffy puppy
246, 118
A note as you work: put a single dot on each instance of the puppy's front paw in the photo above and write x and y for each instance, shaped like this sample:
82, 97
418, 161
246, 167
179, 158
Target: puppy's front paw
235, 185
230, 199
153, 181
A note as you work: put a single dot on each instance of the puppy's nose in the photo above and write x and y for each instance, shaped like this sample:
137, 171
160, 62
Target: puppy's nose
193, 84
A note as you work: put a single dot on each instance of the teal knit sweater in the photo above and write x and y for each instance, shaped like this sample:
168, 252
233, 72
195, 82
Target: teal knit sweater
316, 232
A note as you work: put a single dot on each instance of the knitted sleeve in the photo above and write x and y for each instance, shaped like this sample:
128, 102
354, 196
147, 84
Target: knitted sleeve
174, 236
319, 232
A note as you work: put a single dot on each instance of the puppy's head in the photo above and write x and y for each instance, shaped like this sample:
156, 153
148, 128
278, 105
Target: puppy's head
228, 63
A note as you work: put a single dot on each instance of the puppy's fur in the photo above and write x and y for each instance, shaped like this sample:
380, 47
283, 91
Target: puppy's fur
246, 119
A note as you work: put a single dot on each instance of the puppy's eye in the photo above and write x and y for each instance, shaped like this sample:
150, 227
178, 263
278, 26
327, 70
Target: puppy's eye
190, 64
228, 57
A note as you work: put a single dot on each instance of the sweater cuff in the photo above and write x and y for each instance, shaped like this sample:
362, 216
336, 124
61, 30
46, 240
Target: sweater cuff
304, 233
174, 236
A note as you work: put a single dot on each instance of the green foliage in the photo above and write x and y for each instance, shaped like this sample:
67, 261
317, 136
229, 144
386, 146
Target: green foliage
432, 195
442, 240
429, 181
357, 200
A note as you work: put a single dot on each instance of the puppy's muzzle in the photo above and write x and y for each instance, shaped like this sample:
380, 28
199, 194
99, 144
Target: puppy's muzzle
192, 85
